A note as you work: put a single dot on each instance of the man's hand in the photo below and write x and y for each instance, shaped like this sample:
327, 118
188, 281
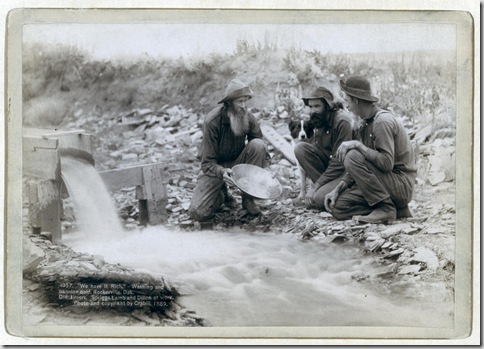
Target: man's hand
309, 202
309, 197
227, 176
330, 200
345, 147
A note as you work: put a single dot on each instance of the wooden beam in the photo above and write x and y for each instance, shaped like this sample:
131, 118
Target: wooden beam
41, 163
76, 141
122, 178
278, 142
31, 143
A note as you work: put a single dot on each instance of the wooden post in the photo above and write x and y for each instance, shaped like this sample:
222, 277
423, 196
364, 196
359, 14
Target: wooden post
154, 192
45, 208
142, 204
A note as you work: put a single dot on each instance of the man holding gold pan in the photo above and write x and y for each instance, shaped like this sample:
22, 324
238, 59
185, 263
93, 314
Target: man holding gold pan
380, 164
225, 132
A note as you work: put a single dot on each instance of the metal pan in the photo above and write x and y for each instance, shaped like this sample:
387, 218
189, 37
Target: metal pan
256, 181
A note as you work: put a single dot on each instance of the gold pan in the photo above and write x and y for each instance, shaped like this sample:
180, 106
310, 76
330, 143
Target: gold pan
256, 181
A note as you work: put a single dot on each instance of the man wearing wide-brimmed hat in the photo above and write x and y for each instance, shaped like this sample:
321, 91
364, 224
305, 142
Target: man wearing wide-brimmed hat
380, 164
332, 126
231, 136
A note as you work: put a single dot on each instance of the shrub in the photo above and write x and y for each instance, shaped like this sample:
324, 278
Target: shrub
419, 85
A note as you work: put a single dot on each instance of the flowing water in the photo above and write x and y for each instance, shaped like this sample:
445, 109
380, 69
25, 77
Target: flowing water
238, 278
94, 207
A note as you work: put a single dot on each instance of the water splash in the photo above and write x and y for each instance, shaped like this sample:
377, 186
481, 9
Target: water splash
236, 278
95, 212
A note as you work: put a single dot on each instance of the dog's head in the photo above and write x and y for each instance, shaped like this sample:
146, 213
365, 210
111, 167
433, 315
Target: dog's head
301, 129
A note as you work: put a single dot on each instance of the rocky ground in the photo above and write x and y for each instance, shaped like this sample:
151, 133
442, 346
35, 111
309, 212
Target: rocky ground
419, 248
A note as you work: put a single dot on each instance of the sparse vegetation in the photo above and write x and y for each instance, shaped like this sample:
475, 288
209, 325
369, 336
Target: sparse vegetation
60, 80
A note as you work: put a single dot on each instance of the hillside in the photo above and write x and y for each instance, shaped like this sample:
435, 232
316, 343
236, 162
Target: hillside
62, 84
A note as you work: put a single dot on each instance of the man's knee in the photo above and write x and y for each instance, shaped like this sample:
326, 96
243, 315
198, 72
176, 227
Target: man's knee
301, 150
338, 215
353, 157
199, 213
338, 212
256, 146
206, 198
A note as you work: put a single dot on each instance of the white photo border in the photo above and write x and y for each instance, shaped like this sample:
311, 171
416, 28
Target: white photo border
467, 176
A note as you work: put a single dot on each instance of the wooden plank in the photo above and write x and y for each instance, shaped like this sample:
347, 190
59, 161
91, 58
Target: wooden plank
61, 133
31, 143
41, 163
76, 141
48, 133
279, 142
126, 177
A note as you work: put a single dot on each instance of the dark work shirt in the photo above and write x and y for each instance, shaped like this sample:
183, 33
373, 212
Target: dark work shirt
219, 144
390, 149
328, 139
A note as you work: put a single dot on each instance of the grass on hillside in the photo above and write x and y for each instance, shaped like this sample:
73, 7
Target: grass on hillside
60, 82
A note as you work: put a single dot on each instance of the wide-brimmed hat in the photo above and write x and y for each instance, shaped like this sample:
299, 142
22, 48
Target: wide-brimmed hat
236, 89
359, 87
318, 93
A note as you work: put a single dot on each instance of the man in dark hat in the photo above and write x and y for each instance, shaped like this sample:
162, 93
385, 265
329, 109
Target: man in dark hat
332, 126
225, 131
380, 165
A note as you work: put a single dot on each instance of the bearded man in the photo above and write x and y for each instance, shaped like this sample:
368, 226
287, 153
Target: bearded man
231, 136
332, 126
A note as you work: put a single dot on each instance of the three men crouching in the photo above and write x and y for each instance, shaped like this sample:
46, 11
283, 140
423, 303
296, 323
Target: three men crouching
367, 174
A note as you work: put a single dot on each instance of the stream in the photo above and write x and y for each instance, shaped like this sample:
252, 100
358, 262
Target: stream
240, 278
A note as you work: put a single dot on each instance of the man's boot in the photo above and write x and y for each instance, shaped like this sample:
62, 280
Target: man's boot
404, 212
249, 205
384, 211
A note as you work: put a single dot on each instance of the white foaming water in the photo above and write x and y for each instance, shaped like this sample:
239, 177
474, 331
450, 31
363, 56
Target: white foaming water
94, 208
237, 278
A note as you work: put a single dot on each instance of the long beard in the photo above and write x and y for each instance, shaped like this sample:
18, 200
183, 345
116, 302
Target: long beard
319, 120
239, 123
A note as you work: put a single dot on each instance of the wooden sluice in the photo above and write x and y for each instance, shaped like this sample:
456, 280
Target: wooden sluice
150, 190
43, 150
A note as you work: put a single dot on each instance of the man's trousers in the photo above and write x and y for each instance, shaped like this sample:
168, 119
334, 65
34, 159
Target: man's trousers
314, 162
209, 194
371, 187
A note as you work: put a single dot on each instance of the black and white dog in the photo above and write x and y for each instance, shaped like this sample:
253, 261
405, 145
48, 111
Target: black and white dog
301, 131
